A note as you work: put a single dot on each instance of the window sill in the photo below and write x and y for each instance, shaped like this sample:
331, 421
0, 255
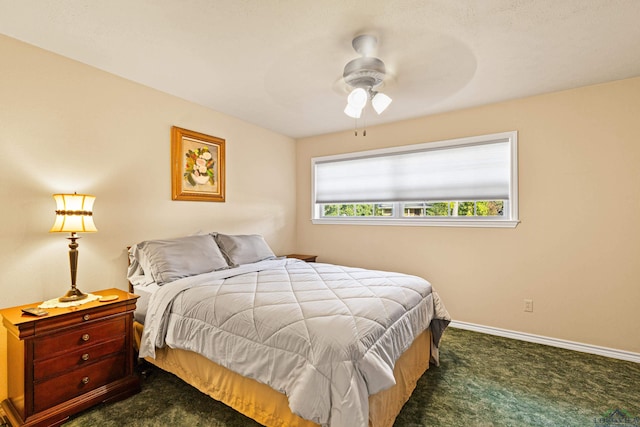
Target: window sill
449, 222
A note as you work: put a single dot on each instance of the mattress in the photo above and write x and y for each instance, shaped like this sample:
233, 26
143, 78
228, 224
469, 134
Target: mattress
142, 304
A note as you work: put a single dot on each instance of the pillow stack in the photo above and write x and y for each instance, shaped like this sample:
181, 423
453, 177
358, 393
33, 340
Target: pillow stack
163, 261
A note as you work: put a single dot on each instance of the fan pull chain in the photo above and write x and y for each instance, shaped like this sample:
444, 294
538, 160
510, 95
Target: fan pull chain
364, 125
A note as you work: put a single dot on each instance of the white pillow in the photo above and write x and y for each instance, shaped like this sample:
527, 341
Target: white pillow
244, 249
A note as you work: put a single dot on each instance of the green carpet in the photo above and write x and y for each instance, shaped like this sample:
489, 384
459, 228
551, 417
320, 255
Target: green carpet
482, 380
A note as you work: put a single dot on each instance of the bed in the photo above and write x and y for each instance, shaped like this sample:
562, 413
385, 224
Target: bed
285, 342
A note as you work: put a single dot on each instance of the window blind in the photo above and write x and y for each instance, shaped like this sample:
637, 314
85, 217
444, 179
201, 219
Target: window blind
465, 172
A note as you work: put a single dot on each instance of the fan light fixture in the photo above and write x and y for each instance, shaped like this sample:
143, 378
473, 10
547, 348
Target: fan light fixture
365, 75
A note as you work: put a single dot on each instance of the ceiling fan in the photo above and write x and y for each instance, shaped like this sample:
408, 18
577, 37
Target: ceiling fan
365, 75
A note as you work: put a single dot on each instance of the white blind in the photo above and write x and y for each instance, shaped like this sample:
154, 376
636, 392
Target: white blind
466, 172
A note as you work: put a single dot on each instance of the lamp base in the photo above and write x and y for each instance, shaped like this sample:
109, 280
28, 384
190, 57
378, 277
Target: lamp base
74, 294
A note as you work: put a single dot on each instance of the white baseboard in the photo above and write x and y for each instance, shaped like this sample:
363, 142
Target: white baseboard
554, 342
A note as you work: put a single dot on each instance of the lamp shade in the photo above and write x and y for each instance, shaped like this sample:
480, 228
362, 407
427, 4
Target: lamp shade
74, 213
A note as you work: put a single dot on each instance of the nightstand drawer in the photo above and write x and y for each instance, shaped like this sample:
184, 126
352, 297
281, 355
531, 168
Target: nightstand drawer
64, 387
76, 318
72, 360
83, 336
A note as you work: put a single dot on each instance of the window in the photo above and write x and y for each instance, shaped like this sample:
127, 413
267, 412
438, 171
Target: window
462, 182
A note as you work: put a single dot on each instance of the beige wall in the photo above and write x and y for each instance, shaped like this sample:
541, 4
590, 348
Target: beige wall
576, 251
68, 127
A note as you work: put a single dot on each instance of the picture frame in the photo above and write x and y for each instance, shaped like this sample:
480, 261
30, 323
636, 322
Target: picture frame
197, 166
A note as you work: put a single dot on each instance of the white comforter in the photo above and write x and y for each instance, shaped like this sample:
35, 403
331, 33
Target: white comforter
327, 336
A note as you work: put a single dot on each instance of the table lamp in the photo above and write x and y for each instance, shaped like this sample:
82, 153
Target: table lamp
74, 214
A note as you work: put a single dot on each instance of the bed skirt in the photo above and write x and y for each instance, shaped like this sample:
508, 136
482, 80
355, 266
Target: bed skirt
270, 407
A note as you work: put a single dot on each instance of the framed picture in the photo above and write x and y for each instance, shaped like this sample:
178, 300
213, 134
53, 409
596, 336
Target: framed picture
197, 166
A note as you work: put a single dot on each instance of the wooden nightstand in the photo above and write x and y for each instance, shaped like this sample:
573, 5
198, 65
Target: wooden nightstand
68, 360
306, 258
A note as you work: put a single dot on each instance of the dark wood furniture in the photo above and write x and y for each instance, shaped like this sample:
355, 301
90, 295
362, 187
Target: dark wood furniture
306, 258
68, 360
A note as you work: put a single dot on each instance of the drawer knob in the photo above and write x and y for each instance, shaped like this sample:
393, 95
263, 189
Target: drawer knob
85, 337
86, 317
85, 356
85, 380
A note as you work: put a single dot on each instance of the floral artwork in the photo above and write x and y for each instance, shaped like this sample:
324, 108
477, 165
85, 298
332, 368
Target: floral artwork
197, 166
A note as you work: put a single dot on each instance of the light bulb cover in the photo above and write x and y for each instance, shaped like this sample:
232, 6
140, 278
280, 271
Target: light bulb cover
380, 102
352, 111
358, 98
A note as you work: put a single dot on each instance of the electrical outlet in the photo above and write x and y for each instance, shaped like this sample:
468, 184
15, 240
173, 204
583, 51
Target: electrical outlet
528, 305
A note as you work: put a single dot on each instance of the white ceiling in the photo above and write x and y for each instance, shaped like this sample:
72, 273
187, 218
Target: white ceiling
278, 63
